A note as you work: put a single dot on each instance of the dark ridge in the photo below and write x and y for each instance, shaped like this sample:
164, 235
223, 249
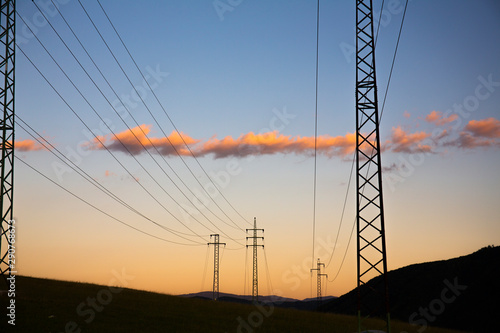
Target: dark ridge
461, 293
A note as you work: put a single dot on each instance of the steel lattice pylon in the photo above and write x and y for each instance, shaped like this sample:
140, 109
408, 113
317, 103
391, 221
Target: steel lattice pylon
319, 264
7, 60
216, 243
255, 273
371, 246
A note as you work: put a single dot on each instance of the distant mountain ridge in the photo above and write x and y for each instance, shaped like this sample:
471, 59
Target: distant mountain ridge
461, 293
271, 298
283, 302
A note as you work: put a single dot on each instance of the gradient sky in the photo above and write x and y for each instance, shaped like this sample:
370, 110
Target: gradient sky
245, 77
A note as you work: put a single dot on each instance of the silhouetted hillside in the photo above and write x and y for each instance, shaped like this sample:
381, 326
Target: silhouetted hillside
461, 293
44, 305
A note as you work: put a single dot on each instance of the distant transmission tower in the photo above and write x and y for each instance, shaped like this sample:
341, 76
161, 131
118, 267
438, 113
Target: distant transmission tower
318, 283
255, 278
7, 57
371, 246
215, 243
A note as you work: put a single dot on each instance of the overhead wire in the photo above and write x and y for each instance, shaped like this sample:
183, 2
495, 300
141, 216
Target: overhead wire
154, 118
222, 254
100, 210
315, 136
379, 20
205, 269
393, 60
67, 161
235, 249
269, 279
246, 272
124, 146
174, 126
116, 137
342, 215
129, 113
99, 140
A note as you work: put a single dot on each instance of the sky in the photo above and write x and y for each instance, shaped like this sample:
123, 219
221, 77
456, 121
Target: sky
237, 80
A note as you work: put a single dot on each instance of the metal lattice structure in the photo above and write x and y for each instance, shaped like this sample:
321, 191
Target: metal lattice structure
371, 246
318, 279
254, 245
7, 60
216, 243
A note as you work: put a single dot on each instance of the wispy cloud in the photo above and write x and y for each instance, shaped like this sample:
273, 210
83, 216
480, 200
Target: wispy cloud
245, 145
403, 142
478, 133
437, 118
486, 128
273, 142
393, 167
136, 139
27, 145
108, 173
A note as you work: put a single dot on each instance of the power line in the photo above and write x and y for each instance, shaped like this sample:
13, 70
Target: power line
106, 124
100, 141
379, 20
100, 210
50, 147
124, 146
268, 271
205, 269
246, 272
315, 135
345, 253
133, 118
171, 121
342, 215
393, 60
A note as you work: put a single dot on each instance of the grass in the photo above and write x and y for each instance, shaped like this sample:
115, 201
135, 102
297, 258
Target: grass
55, 306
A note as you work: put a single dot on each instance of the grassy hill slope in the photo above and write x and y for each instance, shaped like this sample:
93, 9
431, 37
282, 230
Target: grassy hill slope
55, 306
461, 293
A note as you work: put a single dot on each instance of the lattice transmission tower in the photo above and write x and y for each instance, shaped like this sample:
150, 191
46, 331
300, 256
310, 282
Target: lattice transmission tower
216, 243
7, 61
373, 299
255, 245
319, 264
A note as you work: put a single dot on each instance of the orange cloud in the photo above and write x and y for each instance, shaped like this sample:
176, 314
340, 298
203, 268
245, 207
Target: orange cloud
469, 141
108, 173
486, 128
27, 145
273, 142
244, 145
478, 133
402, 142
407, 114
436, 117
481, 133
135, 139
